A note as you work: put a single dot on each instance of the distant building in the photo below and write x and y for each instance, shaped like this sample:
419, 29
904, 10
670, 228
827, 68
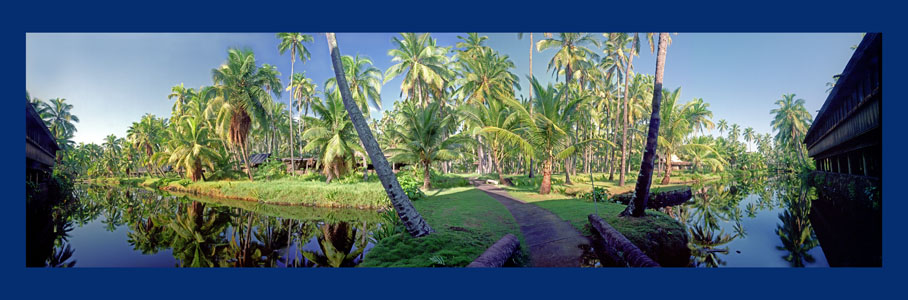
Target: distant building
40, 147
846, 135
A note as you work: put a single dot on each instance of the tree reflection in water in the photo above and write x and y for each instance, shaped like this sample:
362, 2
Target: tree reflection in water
722, 202
795, 232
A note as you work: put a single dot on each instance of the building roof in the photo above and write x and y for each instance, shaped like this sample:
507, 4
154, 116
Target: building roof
871, 45
257, 159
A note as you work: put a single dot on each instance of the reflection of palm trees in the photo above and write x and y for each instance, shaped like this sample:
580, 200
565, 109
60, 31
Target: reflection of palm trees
198, 239
336, 242
704, 245
795, 232
60, 256
148, 236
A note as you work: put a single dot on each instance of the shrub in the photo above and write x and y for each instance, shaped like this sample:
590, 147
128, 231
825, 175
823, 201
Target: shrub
390, 225
411, 186
272, 169
597, 195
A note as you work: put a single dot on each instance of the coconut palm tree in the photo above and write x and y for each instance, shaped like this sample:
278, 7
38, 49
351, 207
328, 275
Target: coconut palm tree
192, 148
365, 81
573, 52
530, 95
485, 73
637, 208
791, 122
423, 64
58, 115
495, 121
304, 91
749, 136
293, 42
548, 127
182, 95
414, 223
700, 115
332, 136
242, 85
722, 126
734, 131
426, 133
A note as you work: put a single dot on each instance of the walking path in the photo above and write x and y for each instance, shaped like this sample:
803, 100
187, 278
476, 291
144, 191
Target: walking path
553, 242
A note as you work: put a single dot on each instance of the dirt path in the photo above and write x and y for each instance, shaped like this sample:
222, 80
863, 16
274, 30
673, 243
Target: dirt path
553, 242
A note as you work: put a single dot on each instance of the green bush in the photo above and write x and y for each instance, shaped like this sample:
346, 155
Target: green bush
438, 180
272, 169
411, 186
597, 195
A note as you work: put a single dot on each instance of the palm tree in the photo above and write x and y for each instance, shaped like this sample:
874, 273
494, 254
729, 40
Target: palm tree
749, 136
59, 117
303, 90
700, 115
530, 95
722, 126
791, 122
498, 124
637, 208
182, 94
332, 135
548, 127
572, 52
293, 41
425, 66
425, 131
242, 85
485, 73
734, 131
414, 223
365, 81
192, 148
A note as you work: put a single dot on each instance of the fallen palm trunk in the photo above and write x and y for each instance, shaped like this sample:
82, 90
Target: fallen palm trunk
617, 248
659, 199
498, 253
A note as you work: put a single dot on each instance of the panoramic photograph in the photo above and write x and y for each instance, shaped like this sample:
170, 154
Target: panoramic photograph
453, 149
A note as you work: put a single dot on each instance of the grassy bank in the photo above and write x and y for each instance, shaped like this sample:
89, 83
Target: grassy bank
285, 191
466, 223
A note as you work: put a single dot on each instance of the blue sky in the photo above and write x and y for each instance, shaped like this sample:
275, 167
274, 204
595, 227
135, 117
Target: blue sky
114, 79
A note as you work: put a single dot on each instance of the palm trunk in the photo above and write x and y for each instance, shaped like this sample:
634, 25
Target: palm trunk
637, 207
497, 163
624, 124
427, 176
246, 161
290, 109
411, 218
668, 170
530, 166
546, 186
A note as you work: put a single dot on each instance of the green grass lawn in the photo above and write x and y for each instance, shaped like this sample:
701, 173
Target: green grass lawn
466, 223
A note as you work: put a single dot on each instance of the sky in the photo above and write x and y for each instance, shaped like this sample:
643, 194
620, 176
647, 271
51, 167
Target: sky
112, 79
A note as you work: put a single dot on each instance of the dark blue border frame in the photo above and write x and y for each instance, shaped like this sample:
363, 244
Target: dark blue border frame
725, 16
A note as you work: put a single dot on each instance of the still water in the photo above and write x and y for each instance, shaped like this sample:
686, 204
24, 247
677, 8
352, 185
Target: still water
108, 226
758, 222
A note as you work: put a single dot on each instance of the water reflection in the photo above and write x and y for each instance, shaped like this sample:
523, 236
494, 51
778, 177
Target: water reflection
752, 221
164, 230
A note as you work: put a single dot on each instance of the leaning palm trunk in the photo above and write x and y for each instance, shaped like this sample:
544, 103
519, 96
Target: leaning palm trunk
411, 218
637, 207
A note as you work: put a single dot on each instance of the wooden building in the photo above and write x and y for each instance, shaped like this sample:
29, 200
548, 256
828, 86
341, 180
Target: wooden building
40, 146
846, 136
